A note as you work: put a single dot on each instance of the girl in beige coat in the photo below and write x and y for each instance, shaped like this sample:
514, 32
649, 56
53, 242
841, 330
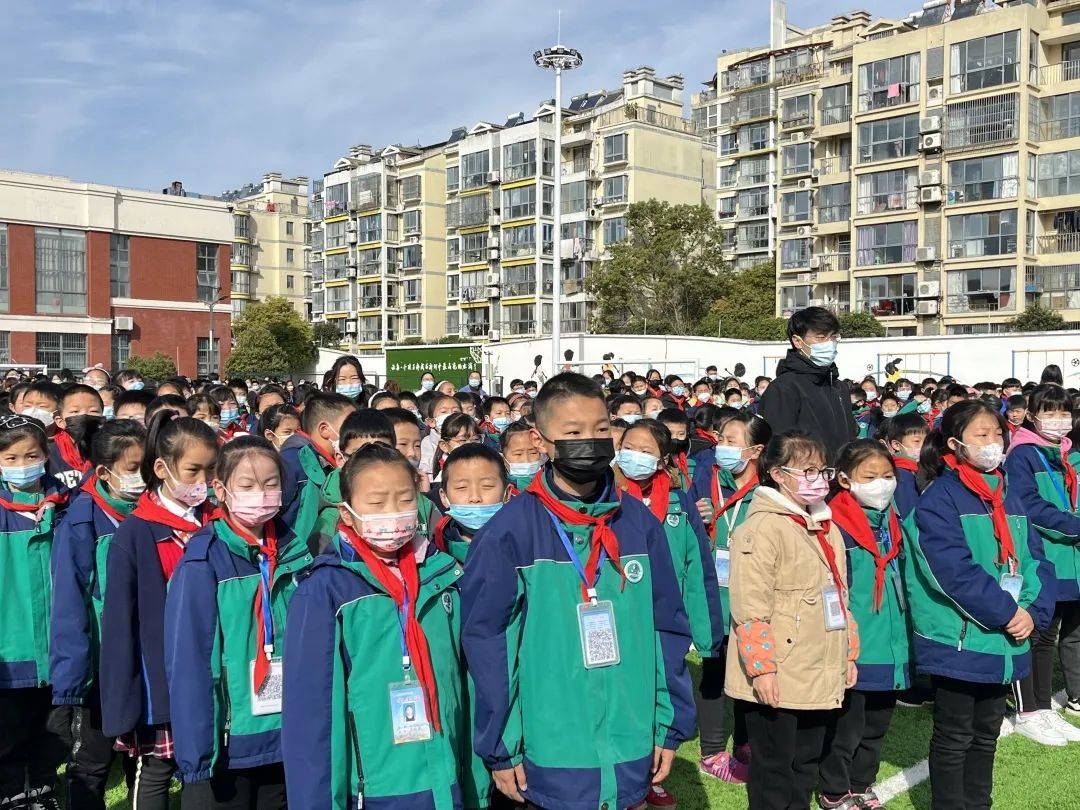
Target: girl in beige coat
796, 641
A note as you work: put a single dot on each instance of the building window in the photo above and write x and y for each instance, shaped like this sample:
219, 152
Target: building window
519, 160
889, 82
614, 230
241, 226
615, 148
60, 271
797, 159
879, 192
984, 62
412, 291
795, 206
725, 207
288, 228
727, 176
1059, 117
754, 137
574, 316
889, 139
474, 285
473, 248
986, 288
453, 286
370, 328
887, 295
121, 349
574, 196
318, 301
985, 234
519, 242
754, 203
752, 237
477, 322
337, 298
411, 257
986, 178
548, 167
5, 279
5, 347
887, 243
755, 104
410, 221
59, 350
981, 121
520, 319
452, 174
834, 202
975, 328
336, 199
1059, 173
241, 282
290, 256
548, 205
1053, 287
207, 364
369, 296
474, 170
207, 286
335, 233
519, 203
369, 229
453, 322
412, 324
241, 253
795, 297
835, 104
290, 282
453, 251
474, 210
794, 253
410, 187
616, 189
797, 111
519, 280
729, 143
238, 306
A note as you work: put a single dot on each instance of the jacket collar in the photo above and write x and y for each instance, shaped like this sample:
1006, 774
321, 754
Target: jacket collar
795, 362
779, 503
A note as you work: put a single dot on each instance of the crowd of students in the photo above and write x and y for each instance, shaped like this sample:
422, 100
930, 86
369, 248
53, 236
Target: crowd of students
345, 597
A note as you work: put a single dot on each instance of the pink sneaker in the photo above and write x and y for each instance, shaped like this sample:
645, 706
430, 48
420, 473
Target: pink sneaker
726, 768
742, 753
658, 797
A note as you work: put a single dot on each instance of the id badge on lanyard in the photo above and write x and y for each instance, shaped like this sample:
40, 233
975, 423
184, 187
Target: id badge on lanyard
834, 608
408, 708
267, 699
722, 562
1012, 581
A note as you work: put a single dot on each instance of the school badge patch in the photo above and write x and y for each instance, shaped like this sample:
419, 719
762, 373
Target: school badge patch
673, 521
448, 603
634, 571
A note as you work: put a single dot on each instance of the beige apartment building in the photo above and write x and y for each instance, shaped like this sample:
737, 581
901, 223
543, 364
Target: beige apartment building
269, 241
926, 170
458, 236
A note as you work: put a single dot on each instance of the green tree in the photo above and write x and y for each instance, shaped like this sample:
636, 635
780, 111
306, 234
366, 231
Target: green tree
324, 333
290, 332
257, 354
664, 277
1036, 318
746, 307
860, 324
157, 366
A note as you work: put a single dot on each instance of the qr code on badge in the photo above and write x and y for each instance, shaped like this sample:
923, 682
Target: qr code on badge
271, 688
598, 640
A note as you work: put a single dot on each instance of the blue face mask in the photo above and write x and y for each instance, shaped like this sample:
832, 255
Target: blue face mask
924, 406
108, 412
501, 423
678, 390
630, 418
636, 466
904, 394
350, 391
523, 470
136, 385
730, 458
474, 383
229, 415
474, 516
22, 477
823, 354
427, 385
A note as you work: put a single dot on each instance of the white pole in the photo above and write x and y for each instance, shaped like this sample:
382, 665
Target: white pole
211, 360
556, 247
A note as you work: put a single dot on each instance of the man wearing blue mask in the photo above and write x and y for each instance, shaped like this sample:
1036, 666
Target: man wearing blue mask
808, 393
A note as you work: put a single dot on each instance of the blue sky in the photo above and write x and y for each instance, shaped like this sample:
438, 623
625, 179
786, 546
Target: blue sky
216, 92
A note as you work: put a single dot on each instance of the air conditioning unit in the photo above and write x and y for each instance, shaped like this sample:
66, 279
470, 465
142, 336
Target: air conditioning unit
815, 173
926, 254
805, 183
494, 334
815, 262
930, 194
930, 143
594, 213
350, 271
495, 220
928, 289
797, 136
817, 302
926, 308
492, 278
935, 94
598, 201
493, 177
350, 326
805, 230
350, 226
493, 254
930, 177
931, 123
351, 237
493, 241
123, 323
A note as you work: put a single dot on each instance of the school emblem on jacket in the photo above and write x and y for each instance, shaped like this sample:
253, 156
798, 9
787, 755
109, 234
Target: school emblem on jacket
673, 521
634, 571
448, 603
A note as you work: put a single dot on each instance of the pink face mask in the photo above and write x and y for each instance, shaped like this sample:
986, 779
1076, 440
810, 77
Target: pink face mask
188, 494
253, 509
387, 531
808, 492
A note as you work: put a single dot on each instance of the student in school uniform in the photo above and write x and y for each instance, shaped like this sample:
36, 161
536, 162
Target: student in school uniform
475, 486
496, 418
79, 414
678, 425
375, 712
523, 460
978, 585
144, 552
277, 423
225, 624
438, 408
727, 486
794, 641
231, 419
1039, 472
870, 523
80, 549
537, 631
904, 437
644, 471
31, 747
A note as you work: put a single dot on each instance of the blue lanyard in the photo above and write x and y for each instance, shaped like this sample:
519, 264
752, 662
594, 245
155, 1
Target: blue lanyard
590, 588
406, 661
268, 616
1065, 499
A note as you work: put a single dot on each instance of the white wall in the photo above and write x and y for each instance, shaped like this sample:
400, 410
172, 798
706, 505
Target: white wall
970, 358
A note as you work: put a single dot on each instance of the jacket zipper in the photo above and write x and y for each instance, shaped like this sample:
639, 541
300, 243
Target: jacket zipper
228, 703
359, 765
963, 633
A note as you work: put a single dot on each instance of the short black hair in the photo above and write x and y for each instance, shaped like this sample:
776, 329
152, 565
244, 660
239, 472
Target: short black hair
48, 389
491, 402
399, 416
623, 399
321, 406
129, 397
812, 319
512, 430
564, 386
79, 388
474, 451
366, 424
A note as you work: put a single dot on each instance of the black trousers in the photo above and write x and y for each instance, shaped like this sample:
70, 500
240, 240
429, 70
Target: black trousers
261, 788
32, 743
853, 743
149, 780
1064, 634
967, 720
710, 700
91, 755
787, 746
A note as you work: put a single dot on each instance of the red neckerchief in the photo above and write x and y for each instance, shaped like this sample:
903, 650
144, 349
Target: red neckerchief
233, 430
488, 428
705, 436
269, 548
513, 490
657, 489
69, 452
150, 509
89, 486
654, 390
679, 401
1070, 480
398, 589
849, 516
995, 499
737, 496
905, 463
438, 536
822, 534
601, 537
326, 456
55, 499
684, 468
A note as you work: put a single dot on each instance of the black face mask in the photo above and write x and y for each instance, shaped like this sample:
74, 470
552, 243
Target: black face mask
680, 445
82, 425
583, 460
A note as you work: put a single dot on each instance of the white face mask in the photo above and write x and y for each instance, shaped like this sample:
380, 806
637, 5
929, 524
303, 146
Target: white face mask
130, 485
42, 415
986, 457
876, 494
1055, 429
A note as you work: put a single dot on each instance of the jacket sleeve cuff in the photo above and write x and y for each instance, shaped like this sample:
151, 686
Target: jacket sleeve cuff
757, 652
854, 645
667, 738
196, 776
503, 763
68, 699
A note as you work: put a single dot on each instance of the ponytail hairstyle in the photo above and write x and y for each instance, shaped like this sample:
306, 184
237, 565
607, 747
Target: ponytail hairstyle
167, 437
83, 430
758, 431
113, 439
953, 424
782, 450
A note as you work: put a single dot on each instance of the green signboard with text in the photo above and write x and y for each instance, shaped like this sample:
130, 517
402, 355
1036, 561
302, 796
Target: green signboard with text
453, 363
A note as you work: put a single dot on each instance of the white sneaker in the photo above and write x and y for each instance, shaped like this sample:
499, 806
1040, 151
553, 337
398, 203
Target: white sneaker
1072, 706
1061, 725
1008, 725
1036, 728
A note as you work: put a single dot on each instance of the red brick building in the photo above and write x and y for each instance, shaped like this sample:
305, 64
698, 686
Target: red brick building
94, 274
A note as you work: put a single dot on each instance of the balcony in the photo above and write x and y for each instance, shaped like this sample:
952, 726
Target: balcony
577, 249
896, 94
1060, 72
799, 74
1004, 188
799, 120
370, 336
887, 201
752, 245
370, 302
474, 216
841, 212
474, 292
519, 327
1059, 243
755, 179
475, 330
743, 116
832, 262
752, 211
835, 164
737, 79
371, 268
520, 172
575, 166
364, 199
835, 115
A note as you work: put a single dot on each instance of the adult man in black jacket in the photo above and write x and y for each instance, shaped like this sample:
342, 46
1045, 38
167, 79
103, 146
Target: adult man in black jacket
807, 393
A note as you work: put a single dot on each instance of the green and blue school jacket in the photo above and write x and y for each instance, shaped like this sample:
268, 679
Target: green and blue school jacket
210, 645
456, 544
79, 551
884, 660
342, 655
301, 490
952, 575
25, 551
906, 497
1037, 478
584, 736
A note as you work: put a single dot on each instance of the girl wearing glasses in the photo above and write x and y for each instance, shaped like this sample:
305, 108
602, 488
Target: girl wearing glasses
978, 585
795, 642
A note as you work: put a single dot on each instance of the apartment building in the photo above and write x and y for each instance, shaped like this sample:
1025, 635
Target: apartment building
92, 273
269, 240
918, 169
457, 238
